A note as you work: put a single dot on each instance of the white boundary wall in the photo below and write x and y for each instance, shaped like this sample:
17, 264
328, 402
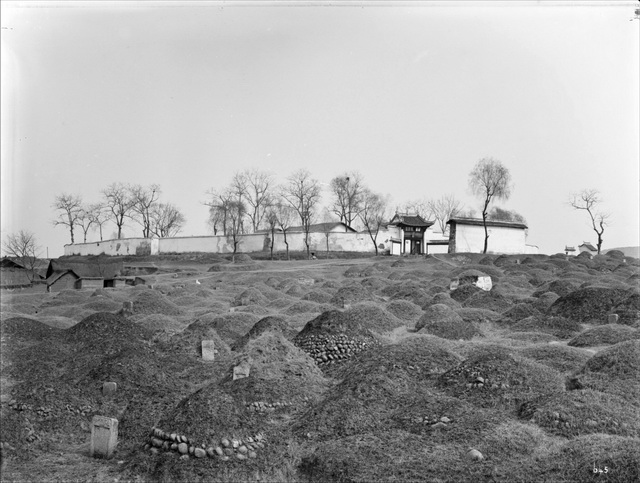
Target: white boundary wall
468, 239
318, 242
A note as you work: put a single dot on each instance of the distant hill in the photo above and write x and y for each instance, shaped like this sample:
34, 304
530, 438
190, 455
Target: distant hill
628, 251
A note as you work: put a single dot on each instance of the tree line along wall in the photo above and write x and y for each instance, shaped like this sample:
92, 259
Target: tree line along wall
318, 242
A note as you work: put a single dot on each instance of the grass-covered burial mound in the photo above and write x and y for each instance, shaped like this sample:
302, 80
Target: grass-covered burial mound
442, 321
494, 378
334, 337
281, 376
378, 389
273, 324
604, 335
589, 305
561, 327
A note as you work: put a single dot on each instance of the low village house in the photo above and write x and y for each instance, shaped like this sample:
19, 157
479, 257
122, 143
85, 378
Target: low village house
588, 248
14, 274
76, 274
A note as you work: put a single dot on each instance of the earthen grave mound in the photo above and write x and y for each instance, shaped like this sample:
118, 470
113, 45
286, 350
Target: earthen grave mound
560, 327
273, 324
148, 301
498, 379
603, 335
404, 310
280, 375
590, 305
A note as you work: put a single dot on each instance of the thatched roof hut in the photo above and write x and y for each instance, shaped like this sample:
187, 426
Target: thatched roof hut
94, 272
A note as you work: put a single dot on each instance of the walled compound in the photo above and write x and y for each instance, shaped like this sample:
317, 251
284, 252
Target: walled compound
508, 238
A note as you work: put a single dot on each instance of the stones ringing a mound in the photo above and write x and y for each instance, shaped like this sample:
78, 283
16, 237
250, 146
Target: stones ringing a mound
328, 349
224, 449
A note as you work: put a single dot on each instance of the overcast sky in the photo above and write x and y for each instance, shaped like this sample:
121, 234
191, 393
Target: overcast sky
410, 95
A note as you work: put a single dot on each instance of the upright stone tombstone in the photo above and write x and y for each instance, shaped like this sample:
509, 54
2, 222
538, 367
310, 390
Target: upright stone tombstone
208, 350
127, 308
484, 283
241, 370
613, 318
109, 388
104, 436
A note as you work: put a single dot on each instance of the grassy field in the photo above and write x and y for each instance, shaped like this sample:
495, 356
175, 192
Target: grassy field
359, 370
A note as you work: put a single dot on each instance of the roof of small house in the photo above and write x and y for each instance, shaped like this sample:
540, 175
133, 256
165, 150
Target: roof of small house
7, 262
401, 219
88, 268
39, 266
588, 246
55, 276
14, 277
478, 222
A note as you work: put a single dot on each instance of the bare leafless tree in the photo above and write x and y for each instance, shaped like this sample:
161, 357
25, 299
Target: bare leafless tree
501, 214
166, 220
489, 180
236, 213
255, 189
69, 207
445, 207
285, 215
24, 249
421, 207
374, 214
346, 196
271, 218
588, 200
119, 202
219, 206
238, 193
303, 192
84, 221
143, 200
99, 216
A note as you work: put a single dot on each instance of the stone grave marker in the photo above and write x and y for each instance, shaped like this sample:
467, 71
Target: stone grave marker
484, 283
241, 370
613, 318
208, 350
104, 436
109, 388
127, 308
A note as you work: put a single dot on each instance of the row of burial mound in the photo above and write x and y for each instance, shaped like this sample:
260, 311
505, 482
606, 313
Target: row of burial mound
234, 425
420, 404
381, 390
63, 390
